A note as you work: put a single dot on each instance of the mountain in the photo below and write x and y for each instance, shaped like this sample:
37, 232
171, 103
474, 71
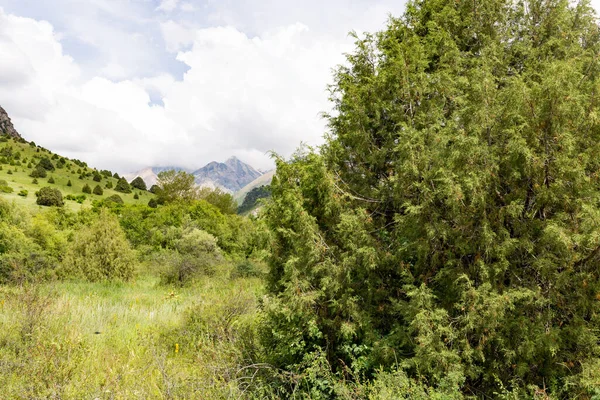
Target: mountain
150, 174
231, 176
6, 126
264, 179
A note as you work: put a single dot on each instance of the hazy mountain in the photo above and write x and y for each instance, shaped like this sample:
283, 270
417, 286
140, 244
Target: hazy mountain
6, 126
229, 176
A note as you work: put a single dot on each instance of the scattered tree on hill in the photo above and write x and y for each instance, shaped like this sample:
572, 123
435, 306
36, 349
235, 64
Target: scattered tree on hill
69, 183
86, 189
152, 203
122, 186
136, 196
138, 183
98, 190
48, 196
97, 177
46, 164
51, 180
38, 172
115, 198
109, 185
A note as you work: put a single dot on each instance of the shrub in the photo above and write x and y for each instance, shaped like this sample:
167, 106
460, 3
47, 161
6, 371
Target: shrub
23, 193
80, 198
115, 198
46, 164
152, 203
98, 190
51, 180
38, 172
97, 177
101, 251
123, 186
9, 172
34, 181
48, 196
136, 196
197, 253
109, 185
138, 183
69, 183
86, 189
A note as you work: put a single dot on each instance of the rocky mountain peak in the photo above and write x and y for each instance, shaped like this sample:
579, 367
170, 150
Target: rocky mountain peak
6, 126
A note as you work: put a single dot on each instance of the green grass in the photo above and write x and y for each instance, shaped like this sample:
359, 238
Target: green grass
138, 340
20, 180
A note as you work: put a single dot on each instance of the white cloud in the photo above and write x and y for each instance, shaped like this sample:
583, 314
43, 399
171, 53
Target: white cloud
168, 5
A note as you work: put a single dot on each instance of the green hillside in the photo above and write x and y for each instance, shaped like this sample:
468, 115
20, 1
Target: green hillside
19, 159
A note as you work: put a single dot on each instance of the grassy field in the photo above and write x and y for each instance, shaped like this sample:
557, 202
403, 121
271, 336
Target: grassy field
19, 179
137, 340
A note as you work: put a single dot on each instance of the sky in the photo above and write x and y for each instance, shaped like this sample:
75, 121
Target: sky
126, 84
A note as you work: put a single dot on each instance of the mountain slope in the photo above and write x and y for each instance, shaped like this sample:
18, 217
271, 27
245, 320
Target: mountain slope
264, 179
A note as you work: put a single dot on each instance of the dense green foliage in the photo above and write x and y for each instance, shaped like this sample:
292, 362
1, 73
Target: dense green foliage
252, 198
48, 196
450, 232
100, 252
173, 186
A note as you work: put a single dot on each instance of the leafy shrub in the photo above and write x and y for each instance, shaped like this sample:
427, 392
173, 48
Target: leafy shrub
86, 189
115, 198
46, 164
97, 177
109, 185
69, 183
38, 172
152, 203
246, 269
196, 254
34, 181
80, 198
48, 196
136, 196
101, 252
23, 193
98, 190
51, 180
4, 188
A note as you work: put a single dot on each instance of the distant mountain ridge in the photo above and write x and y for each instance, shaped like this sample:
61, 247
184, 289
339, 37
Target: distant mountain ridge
6, 126
229, 176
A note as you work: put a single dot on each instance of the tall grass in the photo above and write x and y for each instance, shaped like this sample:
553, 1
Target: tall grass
138, 340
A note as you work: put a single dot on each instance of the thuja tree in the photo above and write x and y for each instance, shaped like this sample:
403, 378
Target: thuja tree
450, 229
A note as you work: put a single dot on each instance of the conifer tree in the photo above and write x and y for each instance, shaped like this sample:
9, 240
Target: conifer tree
450, 227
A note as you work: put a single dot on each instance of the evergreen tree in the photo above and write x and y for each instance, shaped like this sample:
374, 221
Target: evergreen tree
86, 189
449, 229
98, 190
122, 186
48, 196
138, 183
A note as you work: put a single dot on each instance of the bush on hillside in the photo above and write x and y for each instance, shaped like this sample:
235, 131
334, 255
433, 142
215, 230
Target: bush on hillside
115, 199
38, 172
48, 196
86, 189
138, 183
98, 190
46, 164
101, 252
122, 186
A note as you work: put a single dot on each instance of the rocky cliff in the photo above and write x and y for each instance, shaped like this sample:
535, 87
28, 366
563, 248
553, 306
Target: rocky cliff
6, 126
